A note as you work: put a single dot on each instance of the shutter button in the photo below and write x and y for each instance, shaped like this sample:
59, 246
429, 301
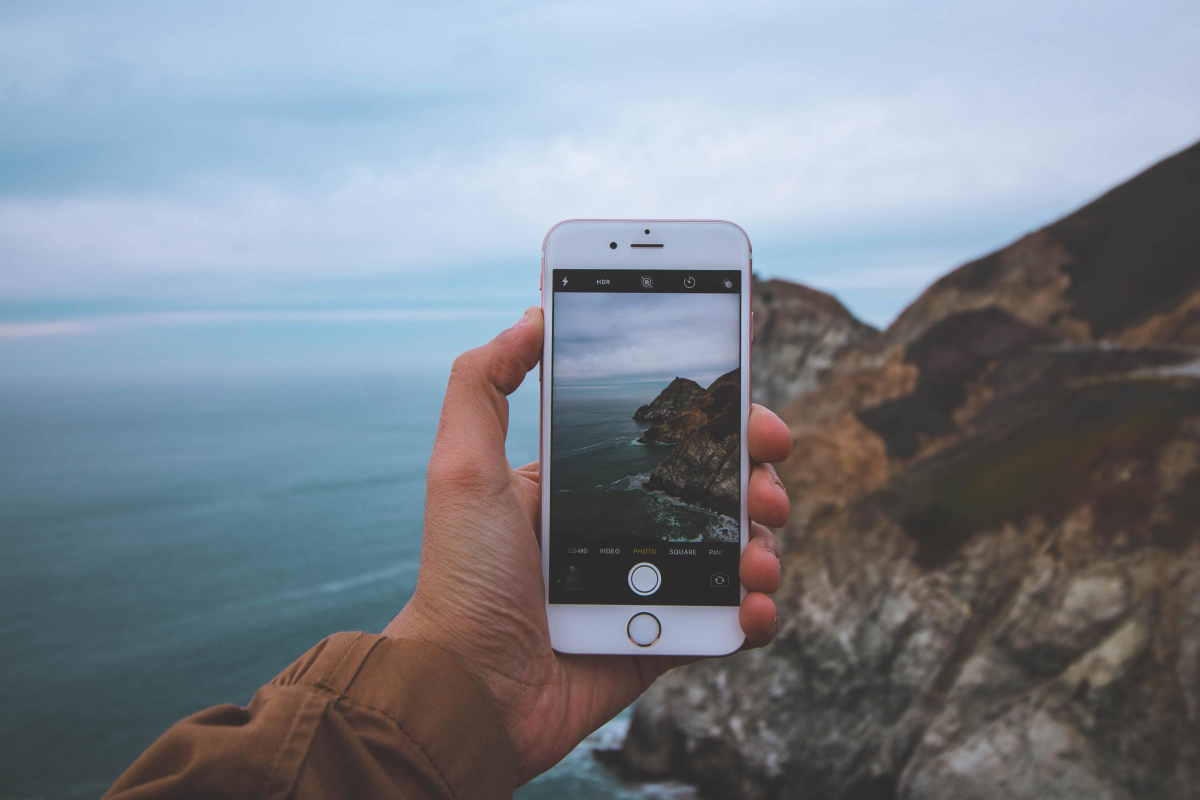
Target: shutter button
644, 578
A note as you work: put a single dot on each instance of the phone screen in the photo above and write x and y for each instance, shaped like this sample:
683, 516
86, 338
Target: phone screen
645, 437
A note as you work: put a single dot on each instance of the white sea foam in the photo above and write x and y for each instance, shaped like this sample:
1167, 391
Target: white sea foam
592, 446
726, 529
719, 527
1191, 369
632, 481
345, 584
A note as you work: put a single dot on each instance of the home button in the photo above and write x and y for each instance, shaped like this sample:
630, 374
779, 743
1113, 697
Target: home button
644, 578
643, 629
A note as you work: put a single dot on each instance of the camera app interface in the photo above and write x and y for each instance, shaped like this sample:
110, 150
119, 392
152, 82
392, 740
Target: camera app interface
645, 437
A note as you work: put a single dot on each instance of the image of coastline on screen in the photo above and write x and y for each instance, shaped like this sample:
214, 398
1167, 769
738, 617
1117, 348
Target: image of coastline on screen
645, 425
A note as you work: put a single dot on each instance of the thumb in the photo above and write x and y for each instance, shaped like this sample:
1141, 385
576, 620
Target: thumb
469, 450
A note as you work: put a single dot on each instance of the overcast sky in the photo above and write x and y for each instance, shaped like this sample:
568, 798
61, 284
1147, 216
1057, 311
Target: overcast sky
607, 339
375, 156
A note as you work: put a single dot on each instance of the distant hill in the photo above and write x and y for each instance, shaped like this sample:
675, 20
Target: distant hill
1124, 268
992, 574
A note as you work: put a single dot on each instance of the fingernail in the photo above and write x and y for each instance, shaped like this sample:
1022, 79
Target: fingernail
777, 622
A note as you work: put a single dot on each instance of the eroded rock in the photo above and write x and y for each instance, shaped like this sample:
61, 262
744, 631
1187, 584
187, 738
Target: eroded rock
992, 579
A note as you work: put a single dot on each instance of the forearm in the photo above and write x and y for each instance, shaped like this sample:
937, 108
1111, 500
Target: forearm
356, 716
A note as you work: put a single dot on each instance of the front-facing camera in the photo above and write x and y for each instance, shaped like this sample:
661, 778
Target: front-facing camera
612, 245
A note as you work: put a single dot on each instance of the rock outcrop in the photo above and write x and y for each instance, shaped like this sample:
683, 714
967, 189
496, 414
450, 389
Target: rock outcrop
703, 466
680, 395
681, 410
799, 334
992, 574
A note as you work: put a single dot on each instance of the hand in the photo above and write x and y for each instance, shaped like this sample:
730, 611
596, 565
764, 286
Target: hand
479, 592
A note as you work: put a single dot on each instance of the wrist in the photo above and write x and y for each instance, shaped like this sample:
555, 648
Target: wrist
512, 696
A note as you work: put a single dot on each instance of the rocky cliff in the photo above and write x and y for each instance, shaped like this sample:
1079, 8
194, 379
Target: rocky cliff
703, 466
992, 575
680, 395
799, 334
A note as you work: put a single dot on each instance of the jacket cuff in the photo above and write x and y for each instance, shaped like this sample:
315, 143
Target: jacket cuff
428, 694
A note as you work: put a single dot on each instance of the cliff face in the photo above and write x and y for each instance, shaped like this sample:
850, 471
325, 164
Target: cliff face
799, 333
702, 468
992, 575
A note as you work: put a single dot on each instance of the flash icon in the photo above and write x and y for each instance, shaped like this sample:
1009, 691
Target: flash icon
564, 282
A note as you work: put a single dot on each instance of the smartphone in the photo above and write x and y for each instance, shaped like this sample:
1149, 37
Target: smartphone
645, 386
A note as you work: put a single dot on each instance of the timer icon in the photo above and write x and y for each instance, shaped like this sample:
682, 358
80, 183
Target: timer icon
689, 282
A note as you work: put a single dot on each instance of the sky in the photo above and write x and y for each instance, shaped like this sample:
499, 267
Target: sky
234, 185
605, 339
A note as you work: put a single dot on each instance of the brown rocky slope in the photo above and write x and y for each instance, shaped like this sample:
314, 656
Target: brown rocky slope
703, 466
680, 395
992, 576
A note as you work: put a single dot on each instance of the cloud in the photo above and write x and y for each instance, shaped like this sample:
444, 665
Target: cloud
600, 337
35, 330
269, 144
797, 174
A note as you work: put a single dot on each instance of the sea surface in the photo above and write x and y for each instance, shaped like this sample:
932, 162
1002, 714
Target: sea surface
169, 544
600, 472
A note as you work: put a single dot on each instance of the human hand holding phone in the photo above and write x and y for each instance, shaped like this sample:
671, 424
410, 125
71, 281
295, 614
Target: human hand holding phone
480, 594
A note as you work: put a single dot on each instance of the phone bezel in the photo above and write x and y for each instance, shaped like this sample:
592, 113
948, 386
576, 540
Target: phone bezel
687, 244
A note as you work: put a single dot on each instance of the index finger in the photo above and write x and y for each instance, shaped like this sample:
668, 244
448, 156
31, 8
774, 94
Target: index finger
768, 437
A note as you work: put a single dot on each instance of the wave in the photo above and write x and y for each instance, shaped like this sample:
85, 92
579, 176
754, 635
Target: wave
594, 445
345, 584
631, 482
350, 484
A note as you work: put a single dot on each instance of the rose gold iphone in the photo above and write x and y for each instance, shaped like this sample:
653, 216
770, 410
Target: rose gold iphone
645, 398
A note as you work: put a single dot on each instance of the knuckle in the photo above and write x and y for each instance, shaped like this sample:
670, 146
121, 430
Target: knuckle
465, 364
504, 370
489, 366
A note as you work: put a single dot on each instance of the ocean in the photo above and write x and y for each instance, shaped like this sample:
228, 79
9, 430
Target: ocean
170, 544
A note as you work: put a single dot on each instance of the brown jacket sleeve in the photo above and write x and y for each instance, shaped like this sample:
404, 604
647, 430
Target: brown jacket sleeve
356, 716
